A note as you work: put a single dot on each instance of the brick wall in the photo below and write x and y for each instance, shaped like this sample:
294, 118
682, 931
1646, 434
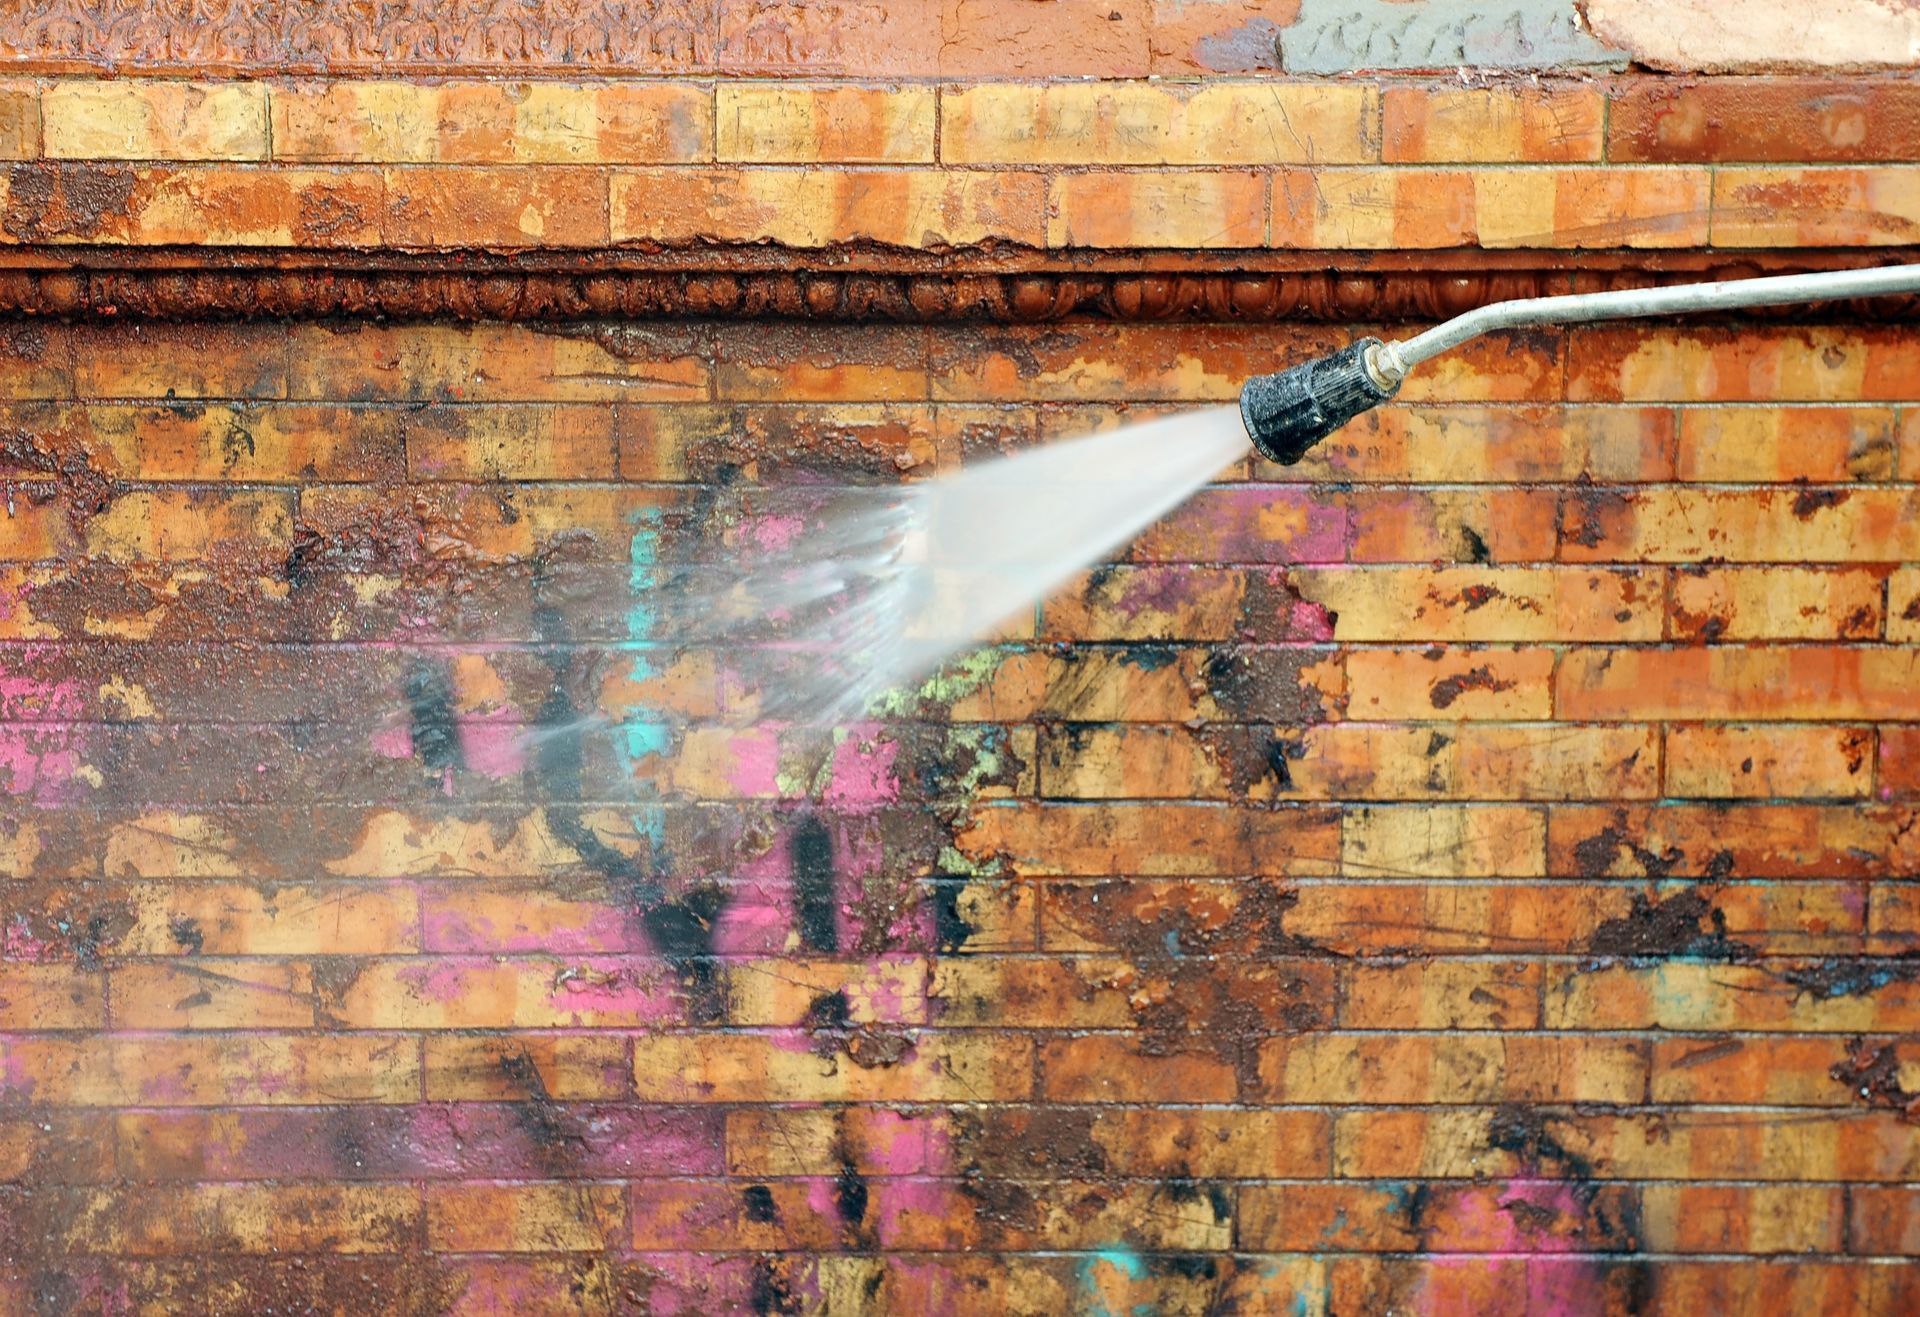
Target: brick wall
1468, 872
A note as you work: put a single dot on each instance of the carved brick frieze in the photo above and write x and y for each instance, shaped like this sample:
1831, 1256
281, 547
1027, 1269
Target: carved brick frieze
234, 287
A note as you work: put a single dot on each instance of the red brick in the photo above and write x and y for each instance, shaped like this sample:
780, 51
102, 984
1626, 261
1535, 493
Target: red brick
1774, 118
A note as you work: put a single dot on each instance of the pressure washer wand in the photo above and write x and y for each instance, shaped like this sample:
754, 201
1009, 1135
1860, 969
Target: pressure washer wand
1289, 412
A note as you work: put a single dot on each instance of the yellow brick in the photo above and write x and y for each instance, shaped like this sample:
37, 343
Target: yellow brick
505, 123
818, 208
374, 122
514, 1067
1131, 123
1515, 207
1177, 209
1485, 604
1776, 603
244, 1218
1334, 209
215, 1070
781, 994
1522, 125
1434, 841
609, 123
779, 123
525, 1218
141, 120
197, 993
168, 526
246, 919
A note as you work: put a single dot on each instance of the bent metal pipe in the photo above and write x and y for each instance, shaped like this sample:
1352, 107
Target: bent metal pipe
1288, 412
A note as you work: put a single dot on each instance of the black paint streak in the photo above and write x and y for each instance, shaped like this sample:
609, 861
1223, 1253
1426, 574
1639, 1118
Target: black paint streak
811, 848
850, 1194
436, 740
757, 1203
951, 927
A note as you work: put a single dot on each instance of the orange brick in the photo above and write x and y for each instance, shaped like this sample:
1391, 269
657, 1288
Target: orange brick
1884, 1219
1522, 125
1786, 443
1107, 123
1143, 209
1107, 1068
779, 123
51, 996
1768, 761
431, 206
1898, 771
1712, 840
1793, 917
1364, 761
1681, 524
1787, 603
1473, 525
1804, 683
167, 526
1771, 118
511, 443
1812, 363
150, 120
1771, 1071
818, 208
1815, 207
1451, 684
999, 39
1696, 996
1742, 1219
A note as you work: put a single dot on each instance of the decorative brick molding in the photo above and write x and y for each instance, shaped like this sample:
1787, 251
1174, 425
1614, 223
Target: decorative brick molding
1025, 288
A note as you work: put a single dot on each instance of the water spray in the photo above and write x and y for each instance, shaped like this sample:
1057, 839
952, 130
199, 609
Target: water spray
1288, 412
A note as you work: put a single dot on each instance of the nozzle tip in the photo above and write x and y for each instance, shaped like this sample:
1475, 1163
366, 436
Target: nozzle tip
1288, 412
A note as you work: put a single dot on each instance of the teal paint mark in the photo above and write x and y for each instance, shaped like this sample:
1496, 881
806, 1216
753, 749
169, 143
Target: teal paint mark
1126, 1260
641, 734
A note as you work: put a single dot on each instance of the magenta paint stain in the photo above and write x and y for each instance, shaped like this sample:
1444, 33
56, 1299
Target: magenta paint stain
863, 771
493, 744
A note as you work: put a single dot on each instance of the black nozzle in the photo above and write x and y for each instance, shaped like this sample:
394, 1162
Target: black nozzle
1289, 412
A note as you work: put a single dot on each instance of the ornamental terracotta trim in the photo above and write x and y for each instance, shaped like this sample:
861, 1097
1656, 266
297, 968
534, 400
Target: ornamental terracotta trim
176, 285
